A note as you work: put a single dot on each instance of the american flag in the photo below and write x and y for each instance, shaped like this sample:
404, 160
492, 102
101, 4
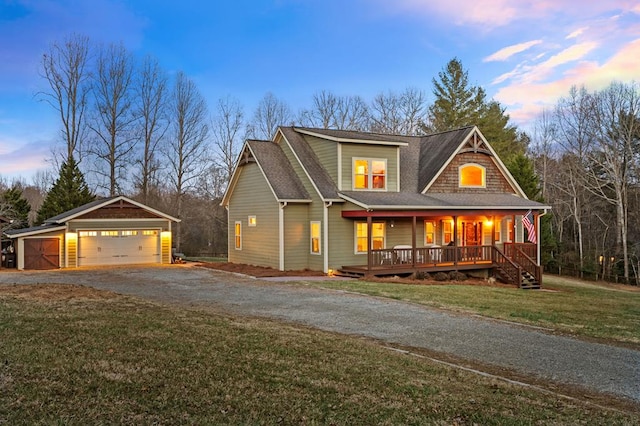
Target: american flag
527, 221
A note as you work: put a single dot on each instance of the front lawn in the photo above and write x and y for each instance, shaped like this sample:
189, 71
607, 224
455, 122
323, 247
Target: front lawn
74, 355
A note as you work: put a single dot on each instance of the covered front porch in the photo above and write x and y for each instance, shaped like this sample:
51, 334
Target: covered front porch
487, 242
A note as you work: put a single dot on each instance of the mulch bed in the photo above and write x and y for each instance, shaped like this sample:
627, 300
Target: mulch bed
262, 272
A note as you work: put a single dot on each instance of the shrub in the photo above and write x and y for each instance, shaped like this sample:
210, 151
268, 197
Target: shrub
441, 276
457, 276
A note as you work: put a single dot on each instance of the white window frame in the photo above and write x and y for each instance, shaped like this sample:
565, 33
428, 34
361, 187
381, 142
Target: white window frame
476, 165
444, 231
433, 234
252, 220
355, 235
316, 237
370, 174
237, 236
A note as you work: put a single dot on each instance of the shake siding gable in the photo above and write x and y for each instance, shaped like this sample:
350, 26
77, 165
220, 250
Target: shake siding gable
252, 196
447, 182
351, 151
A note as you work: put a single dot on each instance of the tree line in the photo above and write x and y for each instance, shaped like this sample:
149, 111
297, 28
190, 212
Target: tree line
129, 127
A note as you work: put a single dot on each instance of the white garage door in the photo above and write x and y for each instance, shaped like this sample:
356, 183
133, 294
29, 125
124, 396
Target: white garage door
118, 247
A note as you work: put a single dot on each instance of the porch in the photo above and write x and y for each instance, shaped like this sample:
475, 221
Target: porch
513, 264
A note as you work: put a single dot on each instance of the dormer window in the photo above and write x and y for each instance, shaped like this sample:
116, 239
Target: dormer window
369, 173
472, 176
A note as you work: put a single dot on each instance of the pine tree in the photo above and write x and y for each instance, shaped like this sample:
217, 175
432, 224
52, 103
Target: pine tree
68, 192
457, 104
15, 207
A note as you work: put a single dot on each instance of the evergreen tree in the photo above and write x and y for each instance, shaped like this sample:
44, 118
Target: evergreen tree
15, 207
458, 104
68, 192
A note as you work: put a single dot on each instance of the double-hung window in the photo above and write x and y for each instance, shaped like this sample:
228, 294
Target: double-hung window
369, 173
429, 232
447, 231
377, 236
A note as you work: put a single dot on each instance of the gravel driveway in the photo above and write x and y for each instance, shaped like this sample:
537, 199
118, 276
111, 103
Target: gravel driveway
595, 366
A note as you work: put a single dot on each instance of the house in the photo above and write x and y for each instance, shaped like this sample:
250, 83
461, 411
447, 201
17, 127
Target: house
375, 204
110, 231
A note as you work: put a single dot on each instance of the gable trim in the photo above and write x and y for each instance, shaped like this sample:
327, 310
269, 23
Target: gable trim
349, 140
315, 187
503, 169
110, 201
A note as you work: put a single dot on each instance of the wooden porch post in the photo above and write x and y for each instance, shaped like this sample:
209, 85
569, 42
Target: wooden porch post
413, 242
455, 240
369, 243
493, 236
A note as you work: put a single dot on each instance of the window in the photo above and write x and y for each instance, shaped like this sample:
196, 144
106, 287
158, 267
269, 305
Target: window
88, 233
315, 237
149, 233
472, 176
109, 233
369, 174
252, 221
497, 230
509, 230
238, 235
129, 233
429, 232
377, 237
447, 232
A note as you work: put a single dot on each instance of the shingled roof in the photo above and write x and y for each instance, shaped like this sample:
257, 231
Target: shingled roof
278, 171
318, 174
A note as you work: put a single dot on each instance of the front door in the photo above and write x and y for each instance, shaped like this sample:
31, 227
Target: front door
472, 234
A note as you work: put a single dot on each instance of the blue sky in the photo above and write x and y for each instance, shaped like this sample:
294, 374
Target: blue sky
525, 53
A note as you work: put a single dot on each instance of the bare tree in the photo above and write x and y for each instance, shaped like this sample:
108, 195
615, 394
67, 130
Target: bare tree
226, 126
187, 150
65, 67
113, 119
336, 112
352, 113
399, 114
270, 113
614, 133
151, 94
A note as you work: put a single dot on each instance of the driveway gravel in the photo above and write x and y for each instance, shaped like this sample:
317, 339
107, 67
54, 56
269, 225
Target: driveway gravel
594, 366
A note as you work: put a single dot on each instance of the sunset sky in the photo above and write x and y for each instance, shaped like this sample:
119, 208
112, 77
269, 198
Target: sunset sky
526, 54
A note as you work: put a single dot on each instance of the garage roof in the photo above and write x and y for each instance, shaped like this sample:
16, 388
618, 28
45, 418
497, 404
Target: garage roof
95, 205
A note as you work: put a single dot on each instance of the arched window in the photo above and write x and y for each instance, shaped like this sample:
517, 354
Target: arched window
472, 176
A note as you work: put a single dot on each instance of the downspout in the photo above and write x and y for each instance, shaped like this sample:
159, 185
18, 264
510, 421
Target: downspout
281, 235
325, 243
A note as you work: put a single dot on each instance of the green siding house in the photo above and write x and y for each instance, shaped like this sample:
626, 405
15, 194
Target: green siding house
372, 204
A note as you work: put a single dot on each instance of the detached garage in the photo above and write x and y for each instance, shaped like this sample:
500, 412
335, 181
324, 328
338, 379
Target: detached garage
112, 231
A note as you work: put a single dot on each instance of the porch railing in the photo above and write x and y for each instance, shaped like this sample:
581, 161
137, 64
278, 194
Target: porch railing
529, 249
431, 256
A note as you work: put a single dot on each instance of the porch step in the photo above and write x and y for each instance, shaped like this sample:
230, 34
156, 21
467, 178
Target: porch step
527, 281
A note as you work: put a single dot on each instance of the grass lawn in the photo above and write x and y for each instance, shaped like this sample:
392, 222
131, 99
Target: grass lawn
567, 305
74, 355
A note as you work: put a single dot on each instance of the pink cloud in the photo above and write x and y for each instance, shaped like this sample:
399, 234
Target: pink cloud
528, 96
507, 52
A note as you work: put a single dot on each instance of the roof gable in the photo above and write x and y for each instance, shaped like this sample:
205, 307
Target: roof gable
275, 168
117, 201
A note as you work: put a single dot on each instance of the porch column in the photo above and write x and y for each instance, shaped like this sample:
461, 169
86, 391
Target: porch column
455, 240
536, 225
369, 242
413, 242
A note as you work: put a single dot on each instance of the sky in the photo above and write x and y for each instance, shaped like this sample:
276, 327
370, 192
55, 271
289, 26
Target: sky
526, 54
